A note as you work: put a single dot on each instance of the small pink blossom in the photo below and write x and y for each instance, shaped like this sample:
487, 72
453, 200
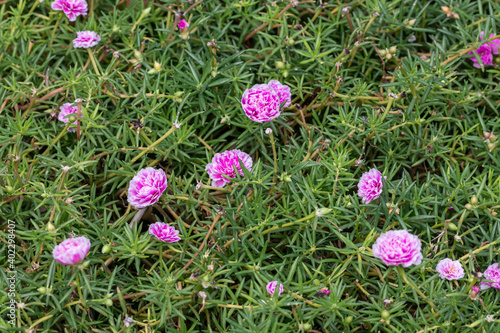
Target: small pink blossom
223, 164
68, 110
72, 251
325, 291
370, 185
146, 187
450, 270
398, 247
492, 273
72, 8
486, 51
283, 92
261, 103
474, 292
86, 39
271, 287
163, 232
183, 24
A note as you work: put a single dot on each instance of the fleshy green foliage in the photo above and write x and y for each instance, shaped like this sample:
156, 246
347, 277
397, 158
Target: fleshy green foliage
342, 122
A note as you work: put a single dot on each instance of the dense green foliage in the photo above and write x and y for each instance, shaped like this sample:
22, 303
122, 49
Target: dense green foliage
343, 121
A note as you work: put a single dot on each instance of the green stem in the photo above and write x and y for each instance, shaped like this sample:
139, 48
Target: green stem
80, 294
92, 59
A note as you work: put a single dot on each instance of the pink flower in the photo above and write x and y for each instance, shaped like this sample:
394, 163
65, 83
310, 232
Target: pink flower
223, 165
271, 287
261, 103
325, 291
146, 187
398, 247
370, 185
163, 232
486, 51
283, 92
492, 273
68, 110
86, 39
450, 270
474, 292
183, 24
72, 8
72, 251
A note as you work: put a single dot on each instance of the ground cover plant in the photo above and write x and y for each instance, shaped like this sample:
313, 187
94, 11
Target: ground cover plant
249, 166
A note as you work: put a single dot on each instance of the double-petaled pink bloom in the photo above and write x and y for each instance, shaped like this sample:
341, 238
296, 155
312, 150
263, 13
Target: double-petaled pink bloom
146, 187
492, 273
271, 287
72, 251
486, 51
398, 247
68, 110
221, 169
163, 232
72, 8
86, 39
263, 102
370, 185
450, 269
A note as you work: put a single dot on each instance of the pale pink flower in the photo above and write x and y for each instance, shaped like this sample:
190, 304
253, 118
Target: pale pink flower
492, 273
283, 92
261, 103
183, 24
146, 187
68, 110
271, 287
72, 251
221, 169
370, 185
86, 39
450, 270
398, 247
72, 8
163, 232
486, 51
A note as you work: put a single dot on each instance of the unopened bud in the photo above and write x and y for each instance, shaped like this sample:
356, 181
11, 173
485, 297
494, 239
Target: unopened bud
348, 320
445, 9
306, 326
385, 314
382, 53
138, 55
184, 36
157, 66
452, 226
50, 227
106, 248
9, 189
42, 290
108, 302
412, 22
71, 119
285, 73
473, 200
393, 50
146, 11
322, 211
280, 65
468, 206
491, 146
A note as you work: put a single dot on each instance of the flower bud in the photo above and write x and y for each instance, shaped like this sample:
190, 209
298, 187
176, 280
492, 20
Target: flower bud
50, 227
116, 28
9, 189
468, 206
71, 119
138, 55
85, 264
280, 65
290, 41
393, 50
491, 146
108, 302
157, 66
348, 320
214, 73
206, 278
285, 73
452, 226
493, 138
306, 326
382, 53
42, 290
106, 249
445, 9
497, 60
184, 36
316, 282
473, 200
388, 56
412, 22
146, 11
385, 314
322, 211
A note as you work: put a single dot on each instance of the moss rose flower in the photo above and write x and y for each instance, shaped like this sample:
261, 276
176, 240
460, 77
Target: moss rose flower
271, 287
72, 8
398, 247
492, 273
450, 270
261, 103
72, 251
370, 185
68, 110
282, 91
86, 39
146, 187
163, 232
221, 169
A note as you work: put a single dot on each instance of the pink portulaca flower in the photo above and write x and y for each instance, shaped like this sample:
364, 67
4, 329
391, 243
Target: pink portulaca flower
72, 8
72, 251
492, 273
282, 91
325, 291
398, 247
486, 51
68, 110
163, 232
261, 103
370, 185
474, 293
183, 24
146, 187
271, 287
223, 164
450, 270
86, 39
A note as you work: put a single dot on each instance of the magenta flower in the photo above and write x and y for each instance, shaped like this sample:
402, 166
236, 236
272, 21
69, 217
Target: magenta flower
68, 110
450, 270
325, 291
221, 169
271, 287
492, 273
283, 92
72, 8
474, 292
86, 39
398, 247
163, 232
261, 103
72, 251
146, 187
486, 51
370, 185
183, 24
